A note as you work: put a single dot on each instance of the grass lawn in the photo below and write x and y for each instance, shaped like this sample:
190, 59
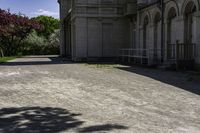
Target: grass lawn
103, 65
5, 59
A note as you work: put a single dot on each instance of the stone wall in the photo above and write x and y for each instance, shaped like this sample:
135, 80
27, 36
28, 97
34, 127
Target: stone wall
174, 24
99, 28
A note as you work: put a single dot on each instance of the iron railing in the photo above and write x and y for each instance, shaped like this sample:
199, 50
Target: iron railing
182, 51
173, 52
144, 56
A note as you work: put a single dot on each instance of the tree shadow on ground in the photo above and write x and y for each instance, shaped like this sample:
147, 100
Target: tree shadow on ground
176, 79
37, 120
45, 120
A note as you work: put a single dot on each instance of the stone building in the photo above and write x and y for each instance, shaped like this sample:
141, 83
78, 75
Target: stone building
131, 29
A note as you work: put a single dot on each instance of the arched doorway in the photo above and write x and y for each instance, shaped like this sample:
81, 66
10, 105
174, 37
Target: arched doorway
190, 9
188, 48
171, 25
171, 33
157, 19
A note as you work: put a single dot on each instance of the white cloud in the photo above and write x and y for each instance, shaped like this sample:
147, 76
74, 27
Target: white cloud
46, 13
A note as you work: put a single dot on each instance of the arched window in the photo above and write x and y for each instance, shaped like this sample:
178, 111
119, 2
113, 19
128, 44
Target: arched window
170, 24
171, 33
188, 15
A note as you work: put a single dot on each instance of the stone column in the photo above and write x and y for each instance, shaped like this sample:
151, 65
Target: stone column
151, 36
131, 33
150, 43
140, 44
62, 38
81, 38
197, 35
137, 32
159, 40
73, 41
165, 39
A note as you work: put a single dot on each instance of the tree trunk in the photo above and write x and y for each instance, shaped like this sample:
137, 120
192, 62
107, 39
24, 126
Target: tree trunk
1, 52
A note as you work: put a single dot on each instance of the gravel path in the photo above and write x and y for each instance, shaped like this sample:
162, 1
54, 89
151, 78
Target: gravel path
44, 94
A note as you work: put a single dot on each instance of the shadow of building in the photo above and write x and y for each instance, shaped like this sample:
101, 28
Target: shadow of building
175, 79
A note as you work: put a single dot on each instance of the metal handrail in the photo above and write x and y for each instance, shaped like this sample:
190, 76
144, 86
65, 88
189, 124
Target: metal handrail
178, 51
182, 51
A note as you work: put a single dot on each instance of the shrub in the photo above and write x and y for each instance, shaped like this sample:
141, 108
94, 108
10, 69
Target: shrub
39, 45
13, 29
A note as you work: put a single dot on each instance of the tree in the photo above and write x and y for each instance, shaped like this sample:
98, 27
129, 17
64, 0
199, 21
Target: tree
13, 29
49, 23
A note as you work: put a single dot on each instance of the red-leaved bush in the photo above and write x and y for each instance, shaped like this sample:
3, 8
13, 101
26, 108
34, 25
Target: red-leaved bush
13, 29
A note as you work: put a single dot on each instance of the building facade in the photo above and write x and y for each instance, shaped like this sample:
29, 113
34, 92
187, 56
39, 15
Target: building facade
132, 29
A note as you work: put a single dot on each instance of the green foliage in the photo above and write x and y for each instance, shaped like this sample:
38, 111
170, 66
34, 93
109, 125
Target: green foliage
39, 45
49, 23
13, 29
54, 38
20, 35
54, 42
34, 38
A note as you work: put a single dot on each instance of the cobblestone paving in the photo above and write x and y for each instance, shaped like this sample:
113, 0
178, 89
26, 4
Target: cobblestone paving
42, 94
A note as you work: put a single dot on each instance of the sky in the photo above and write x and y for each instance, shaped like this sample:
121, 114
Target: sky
32, 8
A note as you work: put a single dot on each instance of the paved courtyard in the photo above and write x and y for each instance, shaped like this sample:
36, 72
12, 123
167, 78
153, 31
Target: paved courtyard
50, 95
